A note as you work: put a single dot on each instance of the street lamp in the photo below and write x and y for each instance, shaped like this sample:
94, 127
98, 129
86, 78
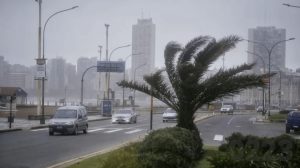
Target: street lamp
134, 80
269, 50
42, 120
124, 75
264, 71
108, 81
81, 93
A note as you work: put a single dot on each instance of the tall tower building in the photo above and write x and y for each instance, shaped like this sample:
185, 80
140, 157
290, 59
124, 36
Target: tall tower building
90, 78
4, 70
56, 76
267, 36
143, 44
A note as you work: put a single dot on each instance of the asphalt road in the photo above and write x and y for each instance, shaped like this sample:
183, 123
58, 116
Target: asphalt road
215, 129
36, 149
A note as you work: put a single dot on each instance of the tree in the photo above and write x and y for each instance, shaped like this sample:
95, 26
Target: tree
190, 87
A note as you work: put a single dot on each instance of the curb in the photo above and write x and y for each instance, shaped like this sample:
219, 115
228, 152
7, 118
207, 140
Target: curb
205, 117
10, 130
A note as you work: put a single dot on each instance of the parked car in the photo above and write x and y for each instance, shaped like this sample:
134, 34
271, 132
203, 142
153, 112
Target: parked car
227, 109
293, 121
169, 115
259, 109
69, 119
124, 116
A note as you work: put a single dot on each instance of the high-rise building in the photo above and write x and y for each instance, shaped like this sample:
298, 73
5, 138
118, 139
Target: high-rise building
4, 70
91, 82
266, 37
56, 76
143, 44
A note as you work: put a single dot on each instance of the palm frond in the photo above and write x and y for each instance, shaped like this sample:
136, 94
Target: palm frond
191, 47
158, 84
212, 52
218, 87
145, 89
171, 50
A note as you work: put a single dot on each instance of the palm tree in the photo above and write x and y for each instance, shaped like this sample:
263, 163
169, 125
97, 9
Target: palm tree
190, 87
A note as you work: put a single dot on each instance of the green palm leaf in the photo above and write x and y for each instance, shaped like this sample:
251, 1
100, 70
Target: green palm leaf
190, 87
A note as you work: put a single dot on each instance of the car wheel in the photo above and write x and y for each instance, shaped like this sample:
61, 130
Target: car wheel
75, 131
287, 130
51, 133
135, 120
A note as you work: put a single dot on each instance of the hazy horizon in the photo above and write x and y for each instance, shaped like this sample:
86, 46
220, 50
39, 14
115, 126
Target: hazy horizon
77, 33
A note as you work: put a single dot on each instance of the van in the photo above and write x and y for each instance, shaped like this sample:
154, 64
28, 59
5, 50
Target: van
69, 119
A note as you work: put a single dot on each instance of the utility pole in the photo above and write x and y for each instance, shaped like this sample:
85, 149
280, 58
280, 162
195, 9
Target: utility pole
106, 54
99, 89
39, 56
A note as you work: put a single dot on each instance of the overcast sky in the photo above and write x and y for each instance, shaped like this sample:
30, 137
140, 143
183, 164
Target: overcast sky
77, 33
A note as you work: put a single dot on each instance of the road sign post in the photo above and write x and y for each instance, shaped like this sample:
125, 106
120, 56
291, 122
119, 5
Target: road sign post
106, 107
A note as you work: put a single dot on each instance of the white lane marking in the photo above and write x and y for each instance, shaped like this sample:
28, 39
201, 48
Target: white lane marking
134, 131
42, 129
218, 138
115, 130
238, 126
95, 130
229, 122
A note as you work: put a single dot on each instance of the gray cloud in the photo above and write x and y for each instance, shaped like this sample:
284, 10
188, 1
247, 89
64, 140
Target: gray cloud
77, 33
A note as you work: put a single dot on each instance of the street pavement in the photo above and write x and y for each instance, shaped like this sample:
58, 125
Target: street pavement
214, 130
34, 148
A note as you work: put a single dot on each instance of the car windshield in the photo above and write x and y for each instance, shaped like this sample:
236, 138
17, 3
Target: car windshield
296, 114
226, 106
123, 112
169, 110
65, 114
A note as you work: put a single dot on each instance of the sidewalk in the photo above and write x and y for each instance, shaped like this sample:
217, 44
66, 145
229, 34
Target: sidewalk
23, 124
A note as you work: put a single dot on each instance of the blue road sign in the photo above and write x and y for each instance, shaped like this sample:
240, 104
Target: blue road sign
106, 107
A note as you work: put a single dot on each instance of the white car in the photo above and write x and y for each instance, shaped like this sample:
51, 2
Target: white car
227, 109
124, 116
169, 115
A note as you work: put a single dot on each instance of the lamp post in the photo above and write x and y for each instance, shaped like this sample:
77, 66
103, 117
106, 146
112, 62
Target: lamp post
264, 71
42, 120
124, 75
81, 93
269, 51
108, 81
39, 59
134, 80
99, 85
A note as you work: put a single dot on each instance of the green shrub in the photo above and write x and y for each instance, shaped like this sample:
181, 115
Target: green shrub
244, 158
282, 151
170, 148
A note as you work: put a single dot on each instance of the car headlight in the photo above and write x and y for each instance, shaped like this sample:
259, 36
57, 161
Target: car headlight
69, 123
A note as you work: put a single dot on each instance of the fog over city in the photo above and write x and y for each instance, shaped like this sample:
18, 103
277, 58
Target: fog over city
78, 33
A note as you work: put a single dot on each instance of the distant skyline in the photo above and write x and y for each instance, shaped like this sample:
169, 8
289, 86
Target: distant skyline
77, 33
